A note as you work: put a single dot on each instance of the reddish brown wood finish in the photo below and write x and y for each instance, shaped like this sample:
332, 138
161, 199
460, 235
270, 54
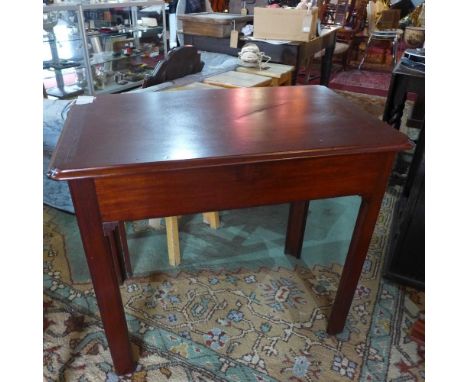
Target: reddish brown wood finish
363, 230
117, 241
130, 157
126, 253
103, 275
188, 129
169, 193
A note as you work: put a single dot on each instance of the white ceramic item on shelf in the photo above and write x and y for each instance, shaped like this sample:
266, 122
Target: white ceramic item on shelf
251, 56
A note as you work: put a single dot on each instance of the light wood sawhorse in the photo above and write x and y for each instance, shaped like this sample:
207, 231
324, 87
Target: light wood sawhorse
172, 233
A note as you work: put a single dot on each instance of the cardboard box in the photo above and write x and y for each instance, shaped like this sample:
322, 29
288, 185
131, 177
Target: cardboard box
215, 24
283, 24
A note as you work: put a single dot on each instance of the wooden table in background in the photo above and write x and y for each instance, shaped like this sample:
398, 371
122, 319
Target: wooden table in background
279, 74
294, 53
138, 156
234, 79
194, 85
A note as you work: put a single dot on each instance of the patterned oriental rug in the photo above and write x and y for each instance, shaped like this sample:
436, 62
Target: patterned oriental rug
235, 320
362, 81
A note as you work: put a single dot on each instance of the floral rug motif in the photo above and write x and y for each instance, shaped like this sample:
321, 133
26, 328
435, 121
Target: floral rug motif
235, 325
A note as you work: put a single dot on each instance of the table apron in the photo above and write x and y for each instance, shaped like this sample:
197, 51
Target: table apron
170, 193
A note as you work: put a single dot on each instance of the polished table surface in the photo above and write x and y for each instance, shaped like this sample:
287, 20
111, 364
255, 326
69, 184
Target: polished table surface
121, 133
135, 156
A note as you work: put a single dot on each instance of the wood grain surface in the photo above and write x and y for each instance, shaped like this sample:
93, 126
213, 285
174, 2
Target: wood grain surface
124, 134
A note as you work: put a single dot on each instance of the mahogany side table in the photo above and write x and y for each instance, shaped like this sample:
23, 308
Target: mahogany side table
146, 155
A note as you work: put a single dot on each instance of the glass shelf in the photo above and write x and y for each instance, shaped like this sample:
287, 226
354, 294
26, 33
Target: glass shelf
51, 40
116, 88
62, 66
105, 57
89, 48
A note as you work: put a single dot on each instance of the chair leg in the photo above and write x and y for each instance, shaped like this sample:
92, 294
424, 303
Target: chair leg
395, 50
307, 70
345, 59
365, 52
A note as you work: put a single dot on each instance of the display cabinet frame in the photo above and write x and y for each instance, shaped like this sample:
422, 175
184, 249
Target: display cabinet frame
87, 71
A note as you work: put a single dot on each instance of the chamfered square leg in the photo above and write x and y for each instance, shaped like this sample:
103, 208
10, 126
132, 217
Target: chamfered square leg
103, 275
357, 252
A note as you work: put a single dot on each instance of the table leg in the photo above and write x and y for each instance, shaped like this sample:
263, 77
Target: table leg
359, 245
297, 68
101, 267
296, 227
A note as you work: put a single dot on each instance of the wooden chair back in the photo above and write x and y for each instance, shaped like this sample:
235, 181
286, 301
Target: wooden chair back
389, 19
335, 13
357, 15
341, 12
180, 62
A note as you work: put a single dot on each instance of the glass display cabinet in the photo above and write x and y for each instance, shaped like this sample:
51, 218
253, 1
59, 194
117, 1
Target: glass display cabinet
107, 47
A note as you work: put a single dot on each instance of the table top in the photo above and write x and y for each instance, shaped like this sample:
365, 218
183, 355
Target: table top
233, 79
123, 134
269, 70
194, 85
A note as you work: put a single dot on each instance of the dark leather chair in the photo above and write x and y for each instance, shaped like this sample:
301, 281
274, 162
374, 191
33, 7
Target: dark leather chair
180, 61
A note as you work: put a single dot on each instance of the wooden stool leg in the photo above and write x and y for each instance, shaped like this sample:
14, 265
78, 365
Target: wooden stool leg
172, 234
296, 227
212, 218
